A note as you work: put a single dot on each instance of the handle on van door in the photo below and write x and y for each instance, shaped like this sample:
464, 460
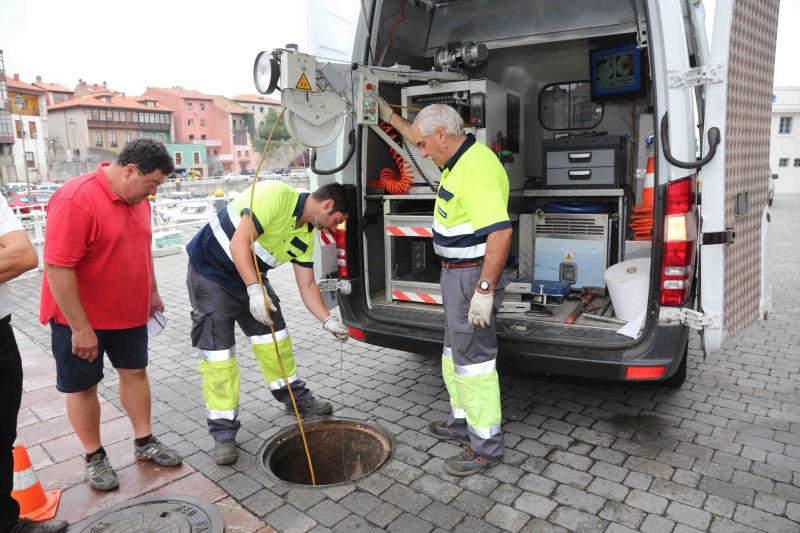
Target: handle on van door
580, 157
580, 174
713, 141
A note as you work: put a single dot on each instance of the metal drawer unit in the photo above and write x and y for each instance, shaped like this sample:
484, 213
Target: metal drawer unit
586, 162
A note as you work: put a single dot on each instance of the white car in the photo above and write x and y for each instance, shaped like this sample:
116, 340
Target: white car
191, 212
298, 174
49, 187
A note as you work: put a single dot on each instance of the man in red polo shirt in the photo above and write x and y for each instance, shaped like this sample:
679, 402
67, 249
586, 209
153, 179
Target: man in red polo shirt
98, 294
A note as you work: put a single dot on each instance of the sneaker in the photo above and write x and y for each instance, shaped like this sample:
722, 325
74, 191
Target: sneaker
158, 452
312, 408
466, 463
29, 526
442, 432
100, 474
225, 452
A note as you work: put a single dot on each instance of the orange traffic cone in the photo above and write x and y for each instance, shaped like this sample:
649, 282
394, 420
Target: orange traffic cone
649, 182
34, 502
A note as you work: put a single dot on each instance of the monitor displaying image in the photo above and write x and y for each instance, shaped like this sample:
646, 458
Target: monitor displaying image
616, 72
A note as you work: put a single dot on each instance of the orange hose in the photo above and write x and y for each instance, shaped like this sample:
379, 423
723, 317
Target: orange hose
392, 181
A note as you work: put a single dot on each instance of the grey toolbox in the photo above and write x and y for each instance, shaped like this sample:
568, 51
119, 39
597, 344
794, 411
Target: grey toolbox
586, 161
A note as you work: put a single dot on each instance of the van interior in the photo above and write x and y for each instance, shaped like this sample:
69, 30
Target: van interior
564, 98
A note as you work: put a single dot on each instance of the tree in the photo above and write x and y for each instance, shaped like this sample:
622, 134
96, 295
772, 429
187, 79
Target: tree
280, 132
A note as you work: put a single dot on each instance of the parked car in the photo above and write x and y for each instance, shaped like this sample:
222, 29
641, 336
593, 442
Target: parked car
48, 187
23, 203
298, 174
15, 187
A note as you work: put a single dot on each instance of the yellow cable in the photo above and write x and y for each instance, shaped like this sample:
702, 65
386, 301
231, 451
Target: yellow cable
266, 306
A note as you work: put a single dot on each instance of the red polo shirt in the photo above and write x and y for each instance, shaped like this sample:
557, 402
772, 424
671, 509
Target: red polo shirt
107, 243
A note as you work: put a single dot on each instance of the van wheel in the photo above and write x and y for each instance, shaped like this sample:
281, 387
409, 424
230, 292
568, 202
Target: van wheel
679, 377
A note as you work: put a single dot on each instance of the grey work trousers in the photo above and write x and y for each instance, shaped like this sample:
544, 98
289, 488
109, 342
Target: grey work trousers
470, 346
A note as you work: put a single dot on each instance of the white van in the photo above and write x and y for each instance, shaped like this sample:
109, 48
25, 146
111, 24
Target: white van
567, 94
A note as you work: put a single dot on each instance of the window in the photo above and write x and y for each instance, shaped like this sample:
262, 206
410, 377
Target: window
797, 161
29, 160
116, 116
261, 108
189, 122
203, 137
98, 138
112, 138
127, 137
216, 152
189, 106
151, 103
5, 125
32, 130
195, 158
178, 158
202, 122
202, 106
247, 153
785, 126
161, 137
783, 162
191, 138
18, 124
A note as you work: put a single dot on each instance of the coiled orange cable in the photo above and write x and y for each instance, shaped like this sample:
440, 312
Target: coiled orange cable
391, 180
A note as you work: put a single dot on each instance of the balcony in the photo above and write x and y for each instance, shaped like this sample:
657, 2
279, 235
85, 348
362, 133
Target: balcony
112, 125
208, 142
225, 157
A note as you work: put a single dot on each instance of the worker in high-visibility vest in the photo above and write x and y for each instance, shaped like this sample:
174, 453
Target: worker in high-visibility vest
224, 288
472, 236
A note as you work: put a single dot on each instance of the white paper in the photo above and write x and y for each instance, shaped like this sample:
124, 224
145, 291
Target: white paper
632, 328
156, 324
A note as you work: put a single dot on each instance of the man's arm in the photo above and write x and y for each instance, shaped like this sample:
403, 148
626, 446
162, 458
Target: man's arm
64, 286
156, 303
498, 245
309, 292
242, 250
400, 124
17, 255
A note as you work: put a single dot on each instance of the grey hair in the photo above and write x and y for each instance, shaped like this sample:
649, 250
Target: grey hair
439, 116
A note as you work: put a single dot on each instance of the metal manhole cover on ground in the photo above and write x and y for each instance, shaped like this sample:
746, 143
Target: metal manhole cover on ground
342, 451
166, 513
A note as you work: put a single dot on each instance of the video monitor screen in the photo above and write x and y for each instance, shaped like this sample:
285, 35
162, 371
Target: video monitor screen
616, 72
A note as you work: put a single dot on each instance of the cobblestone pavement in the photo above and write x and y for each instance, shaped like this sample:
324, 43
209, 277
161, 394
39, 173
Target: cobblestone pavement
721, 454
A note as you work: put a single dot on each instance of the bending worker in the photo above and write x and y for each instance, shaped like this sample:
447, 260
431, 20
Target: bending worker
224, 288
472, 236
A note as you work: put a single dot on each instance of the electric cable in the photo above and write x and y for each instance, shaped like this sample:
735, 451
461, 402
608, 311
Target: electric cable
266, 305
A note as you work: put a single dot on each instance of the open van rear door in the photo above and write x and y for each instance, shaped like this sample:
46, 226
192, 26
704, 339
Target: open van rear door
735, 182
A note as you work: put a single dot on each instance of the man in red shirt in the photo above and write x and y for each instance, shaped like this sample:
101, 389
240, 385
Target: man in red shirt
98, 294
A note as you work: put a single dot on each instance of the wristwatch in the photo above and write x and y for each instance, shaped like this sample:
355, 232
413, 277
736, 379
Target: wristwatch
484, 285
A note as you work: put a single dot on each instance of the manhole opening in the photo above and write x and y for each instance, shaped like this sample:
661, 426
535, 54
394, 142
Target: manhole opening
341, 451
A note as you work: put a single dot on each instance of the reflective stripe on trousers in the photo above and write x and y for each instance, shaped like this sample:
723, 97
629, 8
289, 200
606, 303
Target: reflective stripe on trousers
219, 371
448, 373
266, 354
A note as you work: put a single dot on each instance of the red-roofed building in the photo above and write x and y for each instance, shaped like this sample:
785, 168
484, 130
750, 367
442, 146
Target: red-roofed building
6, 129
83, 88
213, 121
55, 93
29, 115
259, 106
104, 121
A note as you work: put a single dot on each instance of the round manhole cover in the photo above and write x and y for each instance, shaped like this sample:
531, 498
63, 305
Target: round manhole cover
341, 451
167, 513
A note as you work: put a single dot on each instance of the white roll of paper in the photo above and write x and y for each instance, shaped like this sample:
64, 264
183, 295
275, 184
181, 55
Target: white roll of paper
627, 284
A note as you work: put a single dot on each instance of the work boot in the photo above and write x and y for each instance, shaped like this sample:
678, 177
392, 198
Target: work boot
100, 474
466, 463
442, 432
29, 526
312, 408
225, 452
158, 452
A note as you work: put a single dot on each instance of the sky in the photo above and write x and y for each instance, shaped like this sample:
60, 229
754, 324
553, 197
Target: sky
196, 44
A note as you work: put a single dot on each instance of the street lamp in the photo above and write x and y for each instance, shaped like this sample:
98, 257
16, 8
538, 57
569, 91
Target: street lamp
72, 128
19, 101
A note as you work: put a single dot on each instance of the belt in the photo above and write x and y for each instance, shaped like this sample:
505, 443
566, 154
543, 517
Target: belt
466, 264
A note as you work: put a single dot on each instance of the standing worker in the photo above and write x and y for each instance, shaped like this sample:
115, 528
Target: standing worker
16, 257
224, 288
472, 236
98, 292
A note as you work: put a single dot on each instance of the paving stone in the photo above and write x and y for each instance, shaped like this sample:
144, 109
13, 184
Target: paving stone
328, 513
679, 493
719, 506
651, 468
578, 499
436, 488
608, 471
384, 514
506, 518
727, 490
472, 503
538, 484
576, 520
479, 484
375, 483
574, 461
617, 528
361, 503
763, 521
408, 523
564, 474
505, 494
354, 523
769, 503
723, 525
470, 524
657, 524
406, 498
262, 502
757, 483
688, 515
646, 502
289, 519
304, 499
535, 505
623, 514
608, 489
239, 485
637, 480
540, 526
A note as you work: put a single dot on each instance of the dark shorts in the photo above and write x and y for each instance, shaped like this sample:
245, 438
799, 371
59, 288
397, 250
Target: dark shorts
125, 348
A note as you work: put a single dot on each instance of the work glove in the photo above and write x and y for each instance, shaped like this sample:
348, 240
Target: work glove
480, 310
384, 109
258, 303
338, 329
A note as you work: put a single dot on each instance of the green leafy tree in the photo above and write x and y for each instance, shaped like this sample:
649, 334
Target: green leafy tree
280, 132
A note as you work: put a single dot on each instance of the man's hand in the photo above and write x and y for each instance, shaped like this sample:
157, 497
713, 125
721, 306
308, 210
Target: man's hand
384, 109
84, 344
156, 303
338, 329
480, 310
259, 299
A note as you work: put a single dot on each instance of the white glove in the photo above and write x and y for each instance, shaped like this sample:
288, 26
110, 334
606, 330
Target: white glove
258, 305
384, 109
338, 329
480, 310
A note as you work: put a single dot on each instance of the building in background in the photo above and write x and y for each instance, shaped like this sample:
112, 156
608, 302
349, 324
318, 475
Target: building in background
29, 116
7, 172
55, 93
84, 89
189, 157
95, 127
259, 106
209, 121
785, 139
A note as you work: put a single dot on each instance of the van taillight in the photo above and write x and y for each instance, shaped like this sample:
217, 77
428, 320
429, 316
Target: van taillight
341, 251
680, 233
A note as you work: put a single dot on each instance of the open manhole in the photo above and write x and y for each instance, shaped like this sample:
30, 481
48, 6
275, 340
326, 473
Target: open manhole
166, 513
341, 451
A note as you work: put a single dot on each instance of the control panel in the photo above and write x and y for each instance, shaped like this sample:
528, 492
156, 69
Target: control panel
366, 105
